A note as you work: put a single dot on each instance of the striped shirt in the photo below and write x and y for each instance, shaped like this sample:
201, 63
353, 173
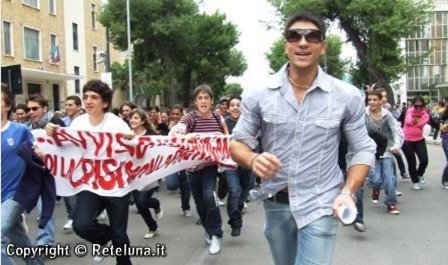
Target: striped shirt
197, 124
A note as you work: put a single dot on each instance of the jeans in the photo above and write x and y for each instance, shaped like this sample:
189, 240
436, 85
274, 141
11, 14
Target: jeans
46, 235
203, 186
445, 150
313, 244
86, 226
180, 180
14, 232
238, 182
143, 200
384, 176
70, 204
410, 149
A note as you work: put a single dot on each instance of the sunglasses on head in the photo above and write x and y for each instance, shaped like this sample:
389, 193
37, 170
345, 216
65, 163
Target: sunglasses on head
311, 35
418, 106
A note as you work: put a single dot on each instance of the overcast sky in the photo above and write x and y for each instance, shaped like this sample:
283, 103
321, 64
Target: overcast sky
255, 40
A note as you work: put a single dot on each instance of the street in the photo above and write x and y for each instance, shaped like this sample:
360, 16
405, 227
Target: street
416, 236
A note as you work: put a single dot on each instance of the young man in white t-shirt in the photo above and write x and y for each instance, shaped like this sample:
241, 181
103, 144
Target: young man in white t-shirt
97, 98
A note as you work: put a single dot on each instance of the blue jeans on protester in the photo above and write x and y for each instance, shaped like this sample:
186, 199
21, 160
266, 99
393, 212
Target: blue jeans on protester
203, 186
313, 244
238, 182
13, 231
445, 150
46, 235
384, 176
180, 180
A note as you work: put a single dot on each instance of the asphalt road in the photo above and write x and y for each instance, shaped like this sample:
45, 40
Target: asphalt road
418, 236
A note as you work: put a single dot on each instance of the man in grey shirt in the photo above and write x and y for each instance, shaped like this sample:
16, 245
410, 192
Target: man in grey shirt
300, 114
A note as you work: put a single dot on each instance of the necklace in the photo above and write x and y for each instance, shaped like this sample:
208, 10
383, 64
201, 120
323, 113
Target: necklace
297, 85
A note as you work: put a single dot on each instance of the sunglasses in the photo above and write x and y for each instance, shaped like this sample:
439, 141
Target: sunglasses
35, 108
418, 106
311, 35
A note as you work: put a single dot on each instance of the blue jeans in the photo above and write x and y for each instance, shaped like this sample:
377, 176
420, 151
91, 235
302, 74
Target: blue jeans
13, 231
445, 150
238, 182
313, 244
180, 180
384, 175
203, 186
46, 235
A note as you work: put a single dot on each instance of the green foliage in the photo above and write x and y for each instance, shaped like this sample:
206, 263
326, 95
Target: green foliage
232, 89
374, 27
176, 48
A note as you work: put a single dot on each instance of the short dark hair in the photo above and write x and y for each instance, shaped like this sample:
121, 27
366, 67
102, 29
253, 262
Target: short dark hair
7, 98
418, 98
129, 104
76, 99
308, 17
102, 89
204, 88
22, 106
375, 92
234, 97
40, 99
156, 108
177, 106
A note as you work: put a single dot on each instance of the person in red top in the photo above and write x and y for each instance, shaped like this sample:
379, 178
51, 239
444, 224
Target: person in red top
414, 143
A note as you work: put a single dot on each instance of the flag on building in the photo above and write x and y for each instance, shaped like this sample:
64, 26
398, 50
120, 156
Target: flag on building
54, 55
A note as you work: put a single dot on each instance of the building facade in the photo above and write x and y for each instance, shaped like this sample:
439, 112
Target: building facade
427, 52
59, 45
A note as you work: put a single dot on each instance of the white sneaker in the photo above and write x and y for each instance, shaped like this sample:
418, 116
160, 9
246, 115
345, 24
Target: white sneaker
207, 238
398, 193
215, 246
159, 214
68, 225
415, 186
422, 180
102, 217
98, 259
221, 202
187, 213
150, 234
360, 227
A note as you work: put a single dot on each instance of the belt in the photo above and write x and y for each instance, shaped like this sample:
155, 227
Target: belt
280, 197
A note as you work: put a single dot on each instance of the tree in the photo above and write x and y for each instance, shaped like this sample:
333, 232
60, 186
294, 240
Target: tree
374, 27
232, 89
180, 47
332, 63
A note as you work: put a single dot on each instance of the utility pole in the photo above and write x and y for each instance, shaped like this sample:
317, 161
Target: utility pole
131, 96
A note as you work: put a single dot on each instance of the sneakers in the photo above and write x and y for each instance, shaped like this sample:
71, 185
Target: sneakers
150, 234
415, 186
404, 176
398, 193
392, 208
215, 245
159, 213
68, 225
236, 231
102, 216
98, 258
221, 202
422, 180
207, 239
445, 184
187, 213
375, 195
360, 227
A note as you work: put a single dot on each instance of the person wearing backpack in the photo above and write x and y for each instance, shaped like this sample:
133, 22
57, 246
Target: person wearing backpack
204, 121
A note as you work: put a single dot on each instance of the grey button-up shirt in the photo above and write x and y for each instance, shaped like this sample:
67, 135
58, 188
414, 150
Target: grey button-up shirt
306, 138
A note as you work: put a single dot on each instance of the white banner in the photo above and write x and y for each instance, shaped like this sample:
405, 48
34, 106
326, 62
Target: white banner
109, 165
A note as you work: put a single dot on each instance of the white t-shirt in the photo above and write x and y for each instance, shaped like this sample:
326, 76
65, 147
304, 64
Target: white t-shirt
111, 123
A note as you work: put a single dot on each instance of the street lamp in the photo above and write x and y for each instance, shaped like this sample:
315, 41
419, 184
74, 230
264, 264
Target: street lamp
131, 97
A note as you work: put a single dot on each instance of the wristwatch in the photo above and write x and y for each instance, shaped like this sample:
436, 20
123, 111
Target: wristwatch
348, 192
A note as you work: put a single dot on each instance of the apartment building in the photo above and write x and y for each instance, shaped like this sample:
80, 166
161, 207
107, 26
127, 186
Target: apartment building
59, 45
429, 46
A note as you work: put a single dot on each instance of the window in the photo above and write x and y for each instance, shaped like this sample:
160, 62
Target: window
32, 44
75, 36
77, 84
33, 89
33, 3
52, 6
7, 38
95, 67
93, 14
53, 42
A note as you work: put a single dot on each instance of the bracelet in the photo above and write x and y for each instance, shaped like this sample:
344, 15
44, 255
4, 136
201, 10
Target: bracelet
252, 159
346, 191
